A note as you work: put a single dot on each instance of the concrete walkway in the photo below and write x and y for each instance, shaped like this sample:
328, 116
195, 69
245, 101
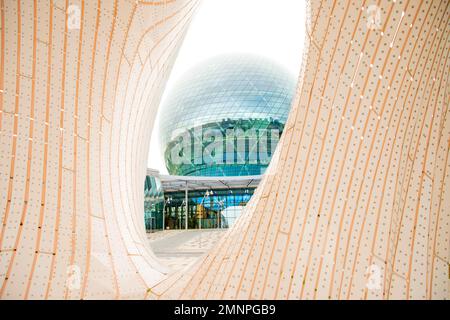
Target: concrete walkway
179, 248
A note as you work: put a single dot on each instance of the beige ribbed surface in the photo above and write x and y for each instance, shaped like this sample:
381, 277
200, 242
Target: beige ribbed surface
78, 103
357, 195
356, 204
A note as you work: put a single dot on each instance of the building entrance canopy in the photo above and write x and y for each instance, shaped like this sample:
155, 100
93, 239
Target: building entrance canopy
210, 202
178, 183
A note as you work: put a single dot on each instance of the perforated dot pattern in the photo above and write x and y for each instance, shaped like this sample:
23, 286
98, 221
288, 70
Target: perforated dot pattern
80, 83
355, 204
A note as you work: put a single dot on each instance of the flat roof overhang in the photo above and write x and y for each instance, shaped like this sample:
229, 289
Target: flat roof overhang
179, 183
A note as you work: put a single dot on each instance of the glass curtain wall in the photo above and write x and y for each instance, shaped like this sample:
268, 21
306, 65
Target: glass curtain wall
206, 208
153, 204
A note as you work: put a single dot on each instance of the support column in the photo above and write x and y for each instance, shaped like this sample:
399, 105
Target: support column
186, 203
164, 214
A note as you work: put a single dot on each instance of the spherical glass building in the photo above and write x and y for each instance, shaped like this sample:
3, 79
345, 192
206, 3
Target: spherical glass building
224, 117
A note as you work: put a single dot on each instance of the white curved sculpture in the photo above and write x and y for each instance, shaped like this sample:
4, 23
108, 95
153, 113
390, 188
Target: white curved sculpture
80, 85
357, 205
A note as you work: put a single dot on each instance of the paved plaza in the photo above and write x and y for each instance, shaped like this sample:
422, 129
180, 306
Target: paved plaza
178, 249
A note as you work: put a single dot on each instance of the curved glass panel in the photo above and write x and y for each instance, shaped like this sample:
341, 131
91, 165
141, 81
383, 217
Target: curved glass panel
153, 203
245, 96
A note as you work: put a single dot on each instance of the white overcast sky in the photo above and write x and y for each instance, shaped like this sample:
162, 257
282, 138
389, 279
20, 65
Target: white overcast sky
274, 29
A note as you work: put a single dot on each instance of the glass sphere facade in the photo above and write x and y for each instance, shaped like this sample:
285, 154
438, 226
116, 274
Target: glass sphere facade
225, 116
